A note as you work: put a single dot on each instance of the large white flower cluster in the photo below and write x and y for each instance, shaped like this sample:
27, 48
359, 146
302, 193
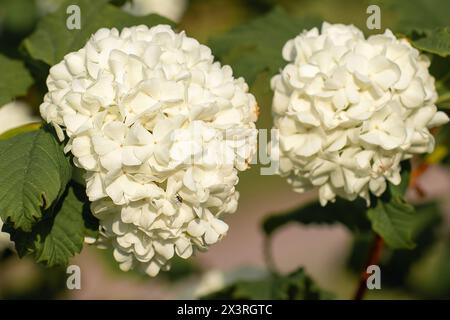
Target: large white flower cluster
349, 109
162, 131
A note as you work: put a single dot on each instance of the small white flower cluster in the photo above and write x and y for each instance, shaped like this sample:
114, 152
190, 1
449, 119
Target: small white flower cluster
349, 109
162, 131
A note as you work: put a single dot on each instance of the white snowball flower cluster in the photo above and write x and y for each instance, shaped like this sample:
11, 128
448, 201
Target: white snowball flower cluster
349, 109
161, 131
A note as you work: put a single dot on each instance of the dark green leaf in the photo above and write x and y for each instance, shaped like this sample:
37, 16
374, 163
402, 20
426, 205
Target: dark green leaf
18, 18
256, 47
295, 286
60, 234
14, 79
396, 264
52, 40
34, 172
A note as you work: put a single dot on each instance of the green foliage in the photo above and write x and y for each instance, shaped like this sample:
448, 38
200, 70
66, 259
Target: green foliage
350, 214
436, 41
14, 79
396, 264
34, 173
60, 234
18, 16
395, 220
256, 46
389, 215
295, 286
426, 22
51, 40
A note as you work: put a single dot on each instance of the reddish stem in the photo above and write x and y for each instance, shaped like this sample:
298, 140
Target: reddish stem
373, 259
415, 175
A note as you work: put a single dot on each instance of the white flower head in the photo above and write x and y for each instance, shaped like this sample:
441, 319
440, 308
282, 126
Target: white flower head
349, 109
162, 131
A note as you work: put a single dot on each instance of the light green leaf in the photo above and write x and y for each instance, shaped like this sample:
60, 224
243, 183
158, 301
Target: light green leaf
14, 79
295, 286
394, 221
60, 234
34, 172
52, 40
435, 41
256, 47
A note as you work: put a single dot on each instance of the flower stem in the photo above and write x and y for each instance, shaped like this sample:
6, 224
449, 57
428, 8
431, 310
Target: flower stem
268, 257
374, 258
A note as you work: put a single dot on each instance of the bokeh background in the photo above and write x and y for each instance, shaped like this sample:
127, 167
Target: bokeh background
330, 254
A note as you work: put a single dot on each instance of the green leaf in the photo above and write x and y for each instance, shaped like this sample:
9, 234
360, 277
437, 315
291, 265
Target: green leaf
14, 79
394, 221
256, 46
60, 234
52, 39
396, 264
390, 216
350, 214
435, 41
399, 262
34, 172
295, 286
18, 17
425, 21
393, 218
